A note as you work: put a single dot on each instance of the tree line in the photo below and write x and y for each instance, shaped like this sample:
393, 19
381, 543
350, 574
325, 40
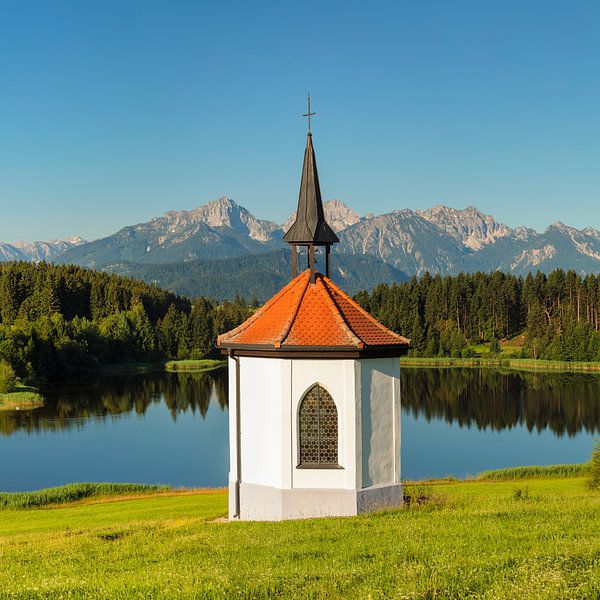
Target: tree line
557, 315
59, 322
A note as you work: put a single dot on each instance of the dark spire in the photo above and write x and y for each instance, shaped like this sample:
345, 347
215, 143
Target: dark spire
310, 226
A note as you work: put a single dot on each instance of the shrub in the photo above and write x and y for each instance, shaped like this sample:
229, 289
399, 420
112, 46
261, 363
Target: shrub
7, 377
594, 468
494, 347
521, 493
468, 352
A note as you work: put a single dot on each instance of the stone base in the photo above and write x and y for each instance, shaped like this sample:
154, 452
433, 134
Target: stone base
264, 503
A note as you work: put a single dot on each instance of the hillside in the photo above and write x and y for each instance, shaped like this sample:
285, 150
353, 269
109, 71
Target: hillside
534, 538
256, 276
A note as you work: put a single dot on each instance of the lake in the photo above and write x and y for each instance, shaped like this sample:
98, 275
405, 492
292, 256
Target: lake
172, 427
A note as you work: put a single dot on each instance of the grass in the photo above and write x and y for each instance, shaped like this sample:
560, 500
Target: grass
21, 397
159, 366
194, 365
547, 472
477, 539
518, 364
73, 492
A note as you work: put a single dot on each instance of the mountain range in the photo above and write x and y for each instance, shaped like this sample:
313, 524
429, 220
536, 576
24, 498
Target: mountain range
37, 251
439, 240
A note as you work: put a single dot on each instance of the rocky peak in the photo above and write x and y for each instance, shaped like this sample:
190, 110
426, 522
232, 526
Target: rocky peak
565, 229
222, 212
592, 232
37, 251
469, 226
524, 233
338, 215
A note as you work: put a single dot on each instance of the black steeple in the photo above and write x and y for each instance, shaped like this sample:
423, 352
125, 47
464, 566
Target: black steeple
310, 228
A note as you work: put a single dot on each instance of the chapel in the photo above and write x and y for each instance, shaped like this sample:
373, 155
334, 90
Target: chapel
314, 390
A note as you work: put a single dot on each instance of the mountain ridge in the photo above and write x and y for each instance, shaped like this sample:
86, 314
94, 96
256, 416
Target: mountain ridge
440, 239
37, 251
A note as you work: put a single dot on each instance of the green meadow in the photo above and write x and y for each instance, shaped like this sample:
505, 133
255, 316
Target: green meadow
537, 536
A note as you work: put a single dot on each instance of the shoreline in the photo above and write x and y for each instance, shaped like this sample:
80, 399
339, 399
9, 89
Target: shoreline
76, 492
514, 364
21, 398
169, 366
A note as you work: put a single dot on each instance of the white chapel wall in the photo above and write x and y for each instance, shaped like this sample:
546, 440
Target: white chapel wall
262, 420
380, 408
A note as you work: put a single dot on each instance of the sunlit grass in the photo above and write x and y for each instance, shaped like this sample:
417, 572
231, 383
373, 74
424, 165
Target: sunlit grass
547, 471
72, 493
21, 397
517, 364
477, 539
194, 365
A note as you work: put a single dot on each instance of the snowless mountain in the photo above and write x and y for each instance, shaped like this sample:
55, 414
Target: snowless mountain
470, 226
439, 240
219, 229
338, 215
37, 251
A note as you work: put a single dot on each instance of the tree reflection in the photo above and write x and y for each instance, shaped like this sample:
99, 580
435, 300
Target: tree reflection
565, 403
70, 407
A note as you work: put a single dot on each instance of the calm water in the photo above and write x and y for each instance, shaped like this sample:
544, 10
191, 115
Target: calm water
172, 428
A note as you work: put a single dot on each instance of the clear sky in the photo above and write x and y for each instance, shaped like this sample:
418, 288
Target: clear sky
113, 112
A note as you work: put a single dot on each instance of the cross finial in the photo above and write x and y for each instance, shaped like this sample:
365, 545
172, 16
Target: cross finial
309, 114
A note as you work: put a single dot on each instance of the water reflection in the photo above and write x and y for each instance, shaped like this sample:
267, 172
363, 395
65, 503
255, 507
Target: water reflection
69, 407
564, 403
173, 427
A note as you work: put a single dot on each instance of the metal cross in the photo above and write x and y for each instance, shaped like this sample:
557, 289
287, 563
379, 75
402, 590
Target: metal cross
309, 114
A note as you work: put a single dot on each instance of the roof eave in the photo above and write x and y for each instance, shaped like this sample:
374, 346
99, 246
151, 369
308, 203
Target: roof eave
315, 352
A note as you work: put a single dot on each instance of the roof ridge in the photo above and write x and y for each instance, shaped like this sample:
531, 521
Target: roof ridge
356, 341
292, 319
261, 311
364, 312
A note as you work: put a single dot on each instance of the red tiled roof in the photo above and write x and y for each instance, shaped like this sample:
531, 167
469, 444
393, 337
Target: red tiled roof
304, 316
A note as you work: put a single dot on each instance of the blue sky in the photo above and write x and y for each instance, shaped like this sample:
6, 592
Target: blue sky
114, 112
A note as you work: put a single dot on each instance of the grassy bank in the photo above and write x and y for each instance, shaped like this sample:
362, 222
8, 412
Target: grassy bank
74, 492
518, 364
547, 472
21, 397
536, 538
194, 365
160, 366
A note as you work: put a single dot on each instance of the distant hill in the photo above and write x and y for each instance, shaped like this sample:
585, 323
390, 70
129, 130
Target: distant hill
257, 276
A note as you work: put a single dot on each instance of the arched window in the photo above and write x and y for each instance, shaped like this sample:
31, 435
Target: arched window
318, 420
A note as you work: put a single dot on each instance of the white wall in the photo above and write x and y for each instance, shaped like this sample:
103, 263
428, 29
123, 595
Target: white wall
271, 391
379, 397
262, 418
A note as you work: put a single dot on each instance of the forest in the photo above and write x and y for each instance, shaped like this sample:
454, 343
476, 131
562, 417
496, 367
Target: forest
60, 322
554, 317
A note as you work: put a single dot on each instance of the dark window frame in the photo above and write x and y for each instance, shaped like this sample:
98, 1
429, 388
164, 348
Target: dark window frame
325, 409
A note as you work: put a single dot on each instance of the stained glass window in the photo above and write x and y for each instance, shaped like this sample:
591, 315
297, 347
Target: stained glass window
318, 429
